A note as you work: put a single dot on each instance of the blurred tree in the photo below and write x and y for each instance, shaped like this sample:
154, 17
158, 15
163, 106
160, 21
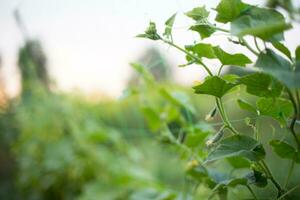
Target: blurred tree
32, 63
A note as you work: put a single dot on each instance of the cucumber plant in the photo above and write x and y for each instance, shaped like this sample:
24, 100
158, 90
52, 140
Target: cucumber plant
274, 81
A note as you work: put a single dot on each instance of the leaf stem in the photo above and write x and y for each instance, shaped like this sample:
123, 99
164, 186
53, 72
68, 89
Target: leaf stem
224, 116
245, 43
292, 125
271, 177
189, 54
298, 100
289, 173
256, 44
252, 192
220, 70
288, 192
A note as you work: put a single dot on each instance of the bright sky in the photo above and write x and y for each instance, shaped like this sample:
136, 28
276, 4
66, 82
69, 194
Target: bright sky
90, 43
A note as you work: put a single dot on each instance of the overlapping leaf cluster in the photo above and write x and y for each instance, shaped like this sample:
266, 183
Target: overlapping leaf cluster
274, 81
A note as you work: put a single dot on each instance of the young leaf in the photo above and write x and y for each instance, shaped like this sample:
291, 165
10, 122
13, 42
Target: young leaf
277, 108
260, 22
246, 106
198, 14
283, 49
169, 25
237, 145
278, 67
150, 33
228, 10
283, 149
262, 85
214, 86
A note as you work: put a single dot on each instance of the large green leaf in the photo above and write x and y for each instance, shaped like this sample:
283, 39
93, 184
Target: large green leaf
231, 59
237, 145
283, 149
228, 10
262, 85
279, 67
214, 86
277, 108
264, 23
211, 52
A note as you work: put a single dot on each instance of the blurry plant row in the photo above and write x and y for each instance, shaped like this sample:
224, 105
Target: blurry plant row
228, 158
58, 146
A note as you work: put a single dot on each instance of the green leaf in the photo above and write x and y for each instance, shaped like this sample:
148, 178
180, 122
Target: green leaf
204, 30
169, 25
278, 67
228, 10
178, 99
152, 118
238, 162
283, 149
197, 172
202, 50
260, 22
214, 86
143, 72
195, 137
237, 145
262, 85
231, 59
277, 108
198, 14
211, 52
246, 106
283, 49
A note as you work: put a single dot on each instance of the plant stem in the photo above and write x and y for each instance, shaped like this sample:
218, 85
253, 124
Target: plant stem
292, 125
289, 174
252, 192
220, 70
271, 177
245, 43
256, 44
298, 101
189, 54
224, 116
288, 192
